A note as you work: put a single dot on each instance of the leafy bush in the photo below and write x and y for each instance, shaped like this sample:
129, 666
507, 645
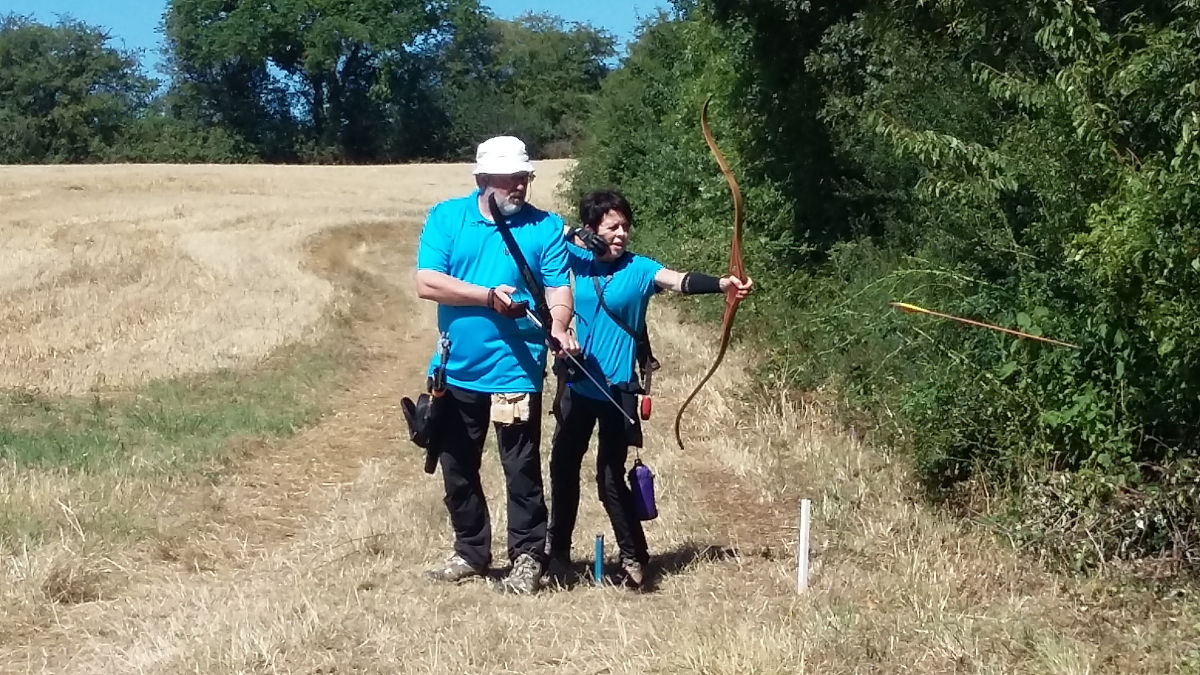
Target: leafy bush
1033, 166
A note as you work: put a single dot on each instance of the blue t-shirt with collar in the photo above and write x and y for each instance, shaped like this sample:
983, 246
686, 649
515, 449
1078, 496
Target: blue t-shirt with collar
488, 352
627, 284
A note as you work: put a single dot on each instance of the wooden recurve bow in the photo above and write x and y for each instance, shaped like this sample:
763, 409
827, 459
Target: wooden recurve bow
736, 267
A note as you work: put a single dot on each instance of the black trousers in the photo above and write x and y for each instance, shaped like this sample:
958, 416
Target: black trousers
461, 432
578, 416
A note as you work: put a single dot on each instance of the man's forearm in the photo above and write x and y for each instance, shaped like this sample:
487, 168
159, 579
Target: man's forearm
562, 305
446, 290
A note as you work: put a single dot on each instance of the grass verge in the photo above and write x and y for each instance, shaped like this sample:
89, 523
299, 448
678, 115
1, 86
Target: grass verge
83, 463
169, 426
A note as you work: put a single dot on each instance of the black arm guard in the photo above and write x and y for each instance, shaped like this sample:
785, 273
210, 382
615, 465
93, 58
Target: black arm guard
695, 282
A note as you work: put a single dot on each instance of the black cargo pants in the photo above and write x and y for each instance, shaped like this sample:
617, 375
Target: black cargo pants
461, 432
577, 418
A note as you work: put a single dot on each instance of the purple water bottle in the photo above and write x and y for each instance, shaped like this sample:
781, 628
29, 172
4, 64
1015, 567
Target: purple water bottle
641, 484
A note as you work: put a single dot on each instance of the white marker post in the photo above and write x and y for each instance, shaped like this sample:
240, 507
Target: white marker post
802, 546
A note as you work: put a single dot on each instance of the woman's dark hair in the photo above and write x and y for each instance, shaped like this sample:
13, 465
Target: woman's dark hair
595, 204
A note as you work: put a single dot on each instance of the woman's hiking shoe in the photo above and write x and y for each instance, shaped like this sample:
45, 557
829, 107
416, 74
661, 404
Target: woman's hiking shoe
525, 577
455, 569
635, 573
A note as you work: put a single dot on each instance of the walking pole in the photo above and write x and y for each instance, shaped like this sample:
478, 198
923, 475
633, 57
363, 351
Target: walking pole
571, 357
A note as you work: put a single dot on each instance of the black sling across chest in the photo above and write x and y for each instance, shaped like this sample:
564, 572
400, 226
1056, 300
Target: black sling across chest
540, 307
646, 363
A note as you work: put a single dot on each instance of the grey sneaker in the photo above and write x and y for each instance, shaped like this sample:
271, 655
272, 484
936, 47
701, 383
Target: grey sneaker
455, 569
525, 577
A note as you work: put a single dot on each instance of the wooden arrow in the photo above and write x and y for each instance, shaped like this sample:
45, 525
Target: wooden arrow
904, 306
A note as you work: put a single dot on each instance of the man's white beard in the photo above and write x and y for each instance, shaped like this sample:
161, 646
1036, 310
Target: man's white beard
508, 208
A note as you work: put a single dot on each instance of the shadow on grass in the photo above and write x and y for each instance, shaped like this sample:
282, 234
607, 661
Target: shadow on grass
678, 560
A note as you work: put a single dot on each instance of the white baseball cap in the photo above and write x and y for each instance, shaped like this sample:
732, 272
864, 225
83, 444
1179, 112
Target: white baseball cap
502, 156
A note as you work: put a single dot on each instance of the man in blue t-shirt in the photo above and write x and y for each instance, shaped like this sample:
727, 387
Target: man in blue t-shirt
613, 288
497, 357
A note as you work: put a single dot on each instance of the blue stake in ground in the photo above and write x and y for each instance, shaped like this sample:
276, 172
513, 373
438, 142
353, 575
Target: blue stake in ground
598, 565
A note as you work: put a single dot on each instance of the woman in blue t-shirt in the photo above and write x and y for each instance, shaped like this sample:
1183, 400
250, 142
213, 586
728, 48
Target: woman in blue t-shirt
613, 288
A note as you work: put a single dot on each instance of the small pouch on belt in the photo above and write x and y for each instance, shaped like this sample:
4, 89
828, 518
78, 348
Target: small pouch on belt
510, 408
627, 396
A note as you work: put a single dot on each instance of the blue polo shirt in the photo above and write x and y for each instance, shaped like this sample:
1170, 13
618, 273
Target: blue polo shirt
488, 352
627, 284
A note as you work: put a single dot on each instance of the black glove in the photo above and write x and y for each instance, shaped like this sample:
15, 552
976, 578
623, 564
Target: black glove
592, 241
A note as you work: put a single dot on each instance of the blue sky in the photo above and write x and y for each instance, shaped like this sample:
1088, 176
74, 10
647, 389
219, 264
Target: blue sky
133, 24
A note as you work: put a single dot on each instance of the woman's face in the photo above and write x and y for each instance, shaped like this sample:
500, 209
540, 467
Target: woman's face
614, 230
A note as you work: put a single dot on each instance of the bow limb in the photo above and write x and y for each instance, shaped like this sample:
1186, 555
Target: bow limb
736, 267
726, 330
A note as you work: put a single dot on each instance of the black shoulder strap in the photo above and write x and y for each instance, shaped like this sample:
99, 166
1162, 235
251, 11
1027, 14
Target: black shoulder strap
645, 356
535, 288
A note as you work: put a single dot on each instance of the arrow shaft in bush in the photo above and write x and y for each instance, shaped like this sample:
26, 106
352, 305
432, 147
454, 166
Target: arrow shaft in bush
904, 306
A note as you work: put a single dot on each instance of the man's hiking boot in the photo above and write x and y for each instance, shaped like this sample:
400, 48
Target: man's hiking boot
455, 569
560, 572
525, 577
635, 574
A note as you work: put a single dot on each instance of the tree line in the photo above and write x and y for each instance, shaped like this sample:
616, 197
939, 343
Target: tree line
299, 81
